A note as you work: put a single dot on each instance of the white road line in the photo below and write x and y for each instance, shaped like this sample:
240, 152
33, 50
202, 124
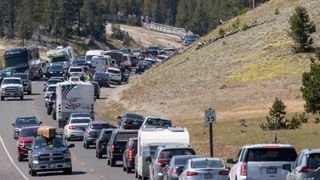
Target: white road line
12, 161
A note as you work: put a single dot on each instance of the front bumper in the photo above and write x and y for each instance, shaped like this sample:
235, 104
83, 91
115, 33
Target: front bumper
75, 134
90, 141
52, 166
12, 94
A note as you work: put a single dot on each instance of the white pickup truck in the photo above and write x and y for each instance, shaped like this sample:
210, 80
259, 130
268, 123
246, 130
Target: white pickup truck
148, 141
11, 87
72, 97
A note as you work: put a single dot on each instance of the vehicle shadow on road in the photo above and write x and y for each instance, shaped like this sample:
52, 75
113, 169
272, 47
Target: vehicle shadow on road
35, 94
18, 100
61, 174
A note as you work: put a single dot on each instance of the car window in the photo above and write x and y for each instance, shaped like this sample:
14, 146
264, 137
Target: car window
181, 161
271, 154
80, 115
99, 126
75, 70
11, 81
73, 121
157, 122
314, 160
134, 116
169, 153
29, 133
126, 136
113, 71
26, 121
107, 135
206, 163
52, 88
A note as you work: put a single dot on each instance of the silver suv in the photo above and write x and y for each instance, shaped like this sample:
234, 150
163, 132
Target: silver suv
306, 167
11, 87
262, 161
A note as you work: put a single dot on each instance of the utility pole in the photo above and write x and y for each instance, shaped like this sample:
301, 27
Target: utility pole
253, 4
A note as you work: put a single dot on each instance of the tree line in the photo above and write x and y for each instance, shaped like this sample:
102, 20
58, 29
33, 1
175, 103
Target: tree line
84, 18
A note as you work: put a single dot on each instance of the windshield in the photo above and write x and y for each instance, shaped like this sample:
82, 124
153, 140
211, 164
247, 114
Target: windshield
314, 160
56, 68
113, 71
99, 126
52, 88
125, 136
11, 81
75, 70
16, 61
80, 115
56, 142
58, 59
157, 122
107, 135
169, 153
89, 57
27, 121
207, 163
271, 154
53, 81
29, 132
73, 121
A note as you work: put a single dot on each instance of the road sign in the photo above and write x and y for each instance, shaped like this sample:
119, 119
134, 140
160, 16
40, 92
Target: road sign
210, 115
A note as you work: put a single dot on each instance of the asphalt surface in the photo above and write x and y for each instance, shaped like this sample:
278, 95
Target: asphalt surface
84, 163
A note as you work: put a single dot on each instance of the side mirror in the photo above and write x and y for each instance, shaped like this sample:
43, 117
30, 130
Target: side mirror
119, 117
70, 145
287, 167
13, 124
40, 122
231, 161
148, 159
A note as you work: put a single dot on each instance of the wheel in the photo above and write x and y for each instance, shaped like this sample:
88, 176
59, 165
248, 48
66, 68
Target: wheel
119, 82
48, 111
30, 92
124, 169
112, 162
33, 172
139, 177
20, 157
67, 171
99, 155
108, 162
54, 116
136, 174
98, 97
2, 98
21, 97
85, 145
144, 178
128, 170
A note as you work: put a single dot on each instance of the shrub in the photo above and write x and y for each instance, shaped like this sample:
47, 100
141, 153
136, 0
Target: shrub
236, 24
276, 118
221, 31
276, 12
294, 123
245, 27
243, 11
121, 35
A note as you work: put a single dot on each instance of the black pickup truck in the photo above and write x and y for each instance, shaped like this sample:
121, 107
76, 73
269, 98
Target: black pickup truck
117, 143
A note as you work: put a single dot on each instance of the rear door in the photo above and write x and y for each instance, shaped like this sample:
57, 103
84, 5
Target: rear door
266, 163
313, 165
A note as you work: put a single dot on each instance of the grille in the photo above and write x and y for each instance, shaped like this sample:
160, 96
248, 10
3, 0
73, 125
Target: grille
52, 157
11, 89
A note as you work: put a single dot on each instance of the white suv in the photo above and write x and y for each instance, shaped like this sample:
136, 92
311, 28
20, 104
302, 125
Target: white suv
262, 162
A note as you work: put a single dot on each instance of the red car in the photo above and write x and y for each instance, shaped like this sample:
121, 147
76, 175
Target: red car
25, 139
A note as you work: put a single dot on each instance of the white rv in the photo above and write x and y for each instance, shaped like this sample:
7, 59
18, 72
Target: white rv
148, 141
101, 63
91, 53
61, 56
73, 97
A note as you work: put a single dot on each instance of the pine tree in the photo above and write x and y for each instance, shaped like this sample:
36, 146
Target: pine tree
276, 118
311, 86
24, 21
301, 28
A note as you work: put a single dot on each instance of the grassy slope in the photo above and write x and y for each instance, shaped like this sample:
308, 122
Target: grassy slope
239, 76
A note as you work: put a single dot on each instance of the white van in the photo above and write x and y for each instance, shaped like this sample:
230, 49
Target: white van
148, 141
91, 53
101, 63
73, 97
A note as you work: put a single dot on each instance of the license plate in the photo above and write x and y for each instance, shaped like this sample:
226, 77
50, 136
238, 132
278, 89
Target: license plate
271, 170
207, 176
135, 123
51, 166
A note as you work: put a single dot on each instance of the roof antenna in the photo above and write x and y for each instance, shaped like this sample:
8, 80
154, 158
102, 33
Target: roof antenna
275, 139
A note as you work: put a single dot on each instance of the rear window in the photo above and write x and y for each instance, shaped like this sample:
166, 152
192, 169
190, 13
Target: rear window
206, 163
157, 122
99, 126
113, 71
125, 136
75, 69
314, 160
271, 154
73, 121
134, 116
107, 135
52, 88
81, 115
169, 153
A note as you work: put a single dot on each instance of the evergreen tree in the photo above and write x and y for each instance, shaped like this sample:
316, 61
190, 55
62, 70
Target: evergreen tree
311, 86
24, 20
276, 118
301, 28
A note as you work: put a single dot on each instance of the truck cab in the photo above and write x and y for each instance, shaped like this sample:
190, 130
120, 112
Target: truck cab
11, 87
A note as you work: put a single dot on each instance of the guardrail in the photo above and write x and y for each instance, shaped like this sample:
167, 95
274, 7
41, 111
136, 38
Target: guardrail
166, 29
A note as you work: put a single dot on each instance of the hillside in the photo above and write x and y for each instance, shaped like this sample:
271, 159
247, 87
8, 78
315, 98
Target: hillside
239, 75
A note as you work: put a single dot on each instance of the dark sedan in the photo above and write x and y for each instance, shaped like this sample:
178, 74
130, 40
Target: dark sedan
130, 120
93, 131
24, 122
96, 89
102, 141
56, 70
143, 66
102, 78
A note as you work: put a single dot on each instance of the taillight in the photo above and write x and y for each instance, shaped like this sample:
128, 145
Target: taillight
306, 169
21, 144
174, 171
244, 169
192, 173
88, 133
163, 161
112, 147
130, 154
72, 127
224, 173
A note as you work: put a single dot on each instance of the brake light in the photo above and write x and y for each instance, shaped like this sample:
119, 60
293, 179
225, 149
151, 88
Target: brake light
306, 169
163, 161
174, 171
224, 173
191, 173
244, 169
130, 154
72, 127
112, 147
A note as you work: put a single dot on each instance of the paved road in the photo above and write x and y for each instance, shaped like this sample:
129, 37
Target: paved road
85, 165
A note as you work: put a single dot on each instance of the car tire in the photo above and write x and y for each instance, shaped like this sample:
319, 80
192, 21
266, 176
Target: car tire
99, 155
54, 116
48, 111
30, 92
85, 145
119, 82
32, 172
108, 161
112, 162
2, 98
136, 174
20, 158
144, 178
128, 170
98, 96
124, 169
67, 171
21, 98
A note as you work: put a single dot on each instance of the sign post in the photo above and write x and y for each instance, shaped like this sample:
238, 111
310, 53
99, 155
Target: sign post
210, 117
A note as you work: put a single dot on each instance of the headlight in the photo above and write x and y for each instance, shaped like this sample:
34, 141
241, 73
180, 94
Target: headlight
3, 90
17, 130
35, 159
20, 88
67, 155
